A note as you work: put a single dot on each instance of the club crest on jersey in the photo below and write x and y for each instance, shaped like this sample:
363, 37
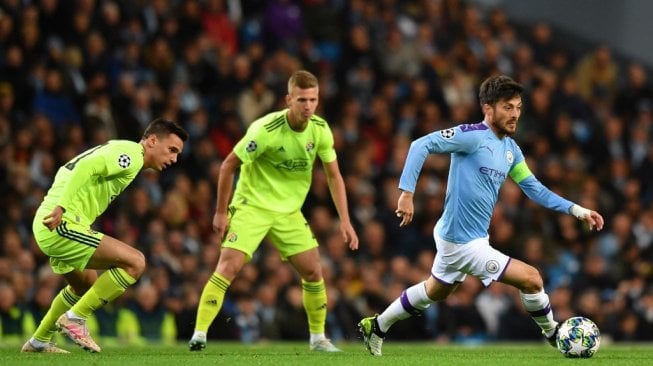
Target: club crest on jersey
232, 237
124, 160
509, 157
310, 146
448, 133
492, 266
251, 146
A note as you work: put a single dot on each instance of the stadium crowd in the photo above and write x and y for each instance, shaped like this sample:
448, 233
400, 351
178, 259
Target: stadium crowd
76, 73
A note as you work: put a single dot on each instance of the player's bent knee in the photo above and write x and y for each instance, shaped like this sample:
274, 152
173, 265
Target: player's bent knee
534, 282
136, 265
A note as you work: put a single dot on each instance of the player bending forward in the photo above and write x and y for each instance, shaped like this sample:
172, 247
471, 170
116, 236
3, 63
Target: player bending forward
83, 188
483, 155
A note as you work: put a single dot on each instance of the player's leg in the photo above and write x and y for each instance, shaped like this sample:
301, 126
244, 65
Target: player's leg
531, 290
240, 242
212, 298
124, 265
78, 283
414, 300
443, 281
314, 298
295, 241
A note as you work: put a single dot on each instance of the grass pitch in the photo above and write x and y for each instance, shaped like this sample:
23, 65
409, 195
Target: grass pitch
290, 354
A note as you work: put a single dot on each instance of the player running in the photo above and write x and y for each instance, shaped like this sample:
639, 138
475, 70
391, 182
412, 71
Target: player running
483, 155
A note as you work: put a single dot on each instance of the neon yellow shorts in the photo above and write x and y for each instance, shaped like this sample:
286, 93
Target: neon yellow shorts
69, 247
289, 233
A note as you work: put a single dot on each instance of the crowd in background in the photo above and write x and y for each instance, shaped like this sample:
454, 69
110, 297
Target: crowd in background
76, 73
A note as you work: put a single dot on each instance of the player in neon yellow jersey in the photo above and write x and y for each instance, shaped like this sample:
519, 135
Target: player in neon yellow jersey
82, 190
276, 158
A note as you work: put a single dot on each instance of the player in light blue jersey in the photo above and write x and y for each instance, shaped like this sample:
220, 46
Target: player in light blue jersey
483, 155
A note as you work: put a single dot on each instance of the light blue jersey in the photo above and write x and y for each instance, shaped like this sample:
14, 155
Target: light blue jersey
480, 163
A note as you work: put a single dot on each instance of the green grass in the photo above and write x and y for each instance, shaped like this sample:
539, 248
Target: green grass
289, 354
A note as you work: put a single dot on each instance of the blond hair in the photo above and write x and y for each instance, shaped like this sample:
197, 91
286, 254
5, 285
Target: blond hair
303, 80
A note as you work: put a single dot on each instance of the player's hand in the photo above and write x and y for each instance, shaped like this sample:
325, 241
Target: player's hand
54, 218
349, 235
594, 220
405, 208
220, 224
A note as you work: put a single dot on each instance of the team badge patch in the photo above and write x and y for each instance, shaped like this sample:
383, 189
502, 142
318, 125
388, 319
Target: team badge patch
232, 237
310, 146
510, 157
448, 133
124, 160
492, 266
251, 146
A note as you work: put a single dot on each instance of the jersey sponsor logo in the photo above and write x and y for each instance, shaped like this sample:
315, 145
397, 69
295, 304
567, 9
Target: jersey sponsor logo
473, 127
251, 146
492, 266
492, 173
124, 161
510, 157
310, 146
448, 133
294, 165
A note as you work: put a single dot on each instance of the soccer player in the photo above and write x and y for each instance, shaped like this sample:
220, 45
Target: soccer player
276, 158
81, 191
483, 155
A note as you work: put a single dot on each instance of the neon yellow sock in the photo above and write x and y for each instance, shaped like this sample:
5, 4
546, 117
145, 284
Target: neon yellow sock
64, 300
211, 301
314, 298
111, 284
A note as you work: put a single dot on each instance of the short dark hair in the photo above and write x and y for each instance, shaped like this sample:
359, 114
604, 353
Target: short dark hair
303, 80
498, 87
163, 127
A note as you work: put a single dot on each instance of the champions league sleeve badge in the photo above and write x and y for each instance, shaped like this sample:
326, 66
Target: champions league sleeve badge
124, 161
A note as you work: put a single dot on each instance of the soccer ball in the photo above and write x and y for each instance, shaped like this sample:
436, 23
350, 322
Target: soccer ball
578, 337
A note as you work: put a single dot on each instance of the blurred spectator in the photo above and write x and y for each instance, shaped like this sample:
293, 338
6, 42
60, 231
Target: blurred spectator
54, 103
145, 319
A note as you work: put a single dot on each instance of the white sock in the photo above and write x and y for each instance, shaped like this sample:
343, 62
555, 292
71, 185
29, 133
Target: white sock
36, 343
540, 310
199, 334
72, 315
411, 302
317, 337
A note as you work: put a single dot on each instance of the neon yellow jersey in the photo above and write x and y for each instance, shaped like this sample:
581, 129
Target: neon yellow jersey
278, 161
86, 185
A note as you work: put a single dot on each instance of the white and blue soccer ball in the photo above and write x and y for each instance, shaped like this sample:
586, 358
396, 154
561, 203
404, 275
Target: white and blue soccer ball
578, 337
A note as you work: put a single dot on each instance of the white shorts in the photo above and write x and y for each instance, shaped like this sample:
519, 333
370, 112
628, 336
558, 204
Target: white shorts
453, 262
